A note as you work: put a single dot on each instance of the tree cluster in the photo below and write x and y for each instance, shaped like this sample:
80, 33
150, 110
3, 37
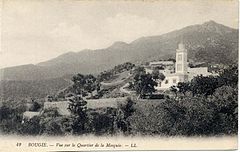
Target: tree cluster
144, 84
84, 84
207, 85
189, 116
82, 120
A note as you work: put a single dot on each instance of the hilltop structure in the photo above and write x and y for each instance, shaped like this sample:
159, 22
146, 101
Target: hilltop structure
183, 72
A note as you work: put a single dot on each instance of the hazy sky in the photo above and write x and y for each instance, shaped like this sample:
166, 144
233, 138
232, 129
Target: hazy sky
34, 31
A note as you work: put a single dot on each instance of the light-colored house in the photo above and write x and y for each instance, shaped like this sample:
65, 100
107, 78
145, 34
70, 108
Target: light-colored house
161, 63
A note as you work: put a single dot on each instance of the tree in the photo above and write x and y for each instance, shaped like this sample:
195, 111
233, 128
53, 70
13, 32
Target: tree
225, 103
171, 59
128, 108
102, 121
155, 74
161, 76
229, 76
106, 75
91, 84
35, 106
31, 127
77, 107
131, 85
198, 116
126, 111
174, 90
52, 123
85, 83
11, 116
79, 81
204, 85
144, 84
159, 67
139, 70
183, 87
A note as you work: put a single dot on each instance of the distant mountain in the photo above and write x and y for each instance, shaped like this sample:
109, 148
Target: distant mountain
22, 89
209, 42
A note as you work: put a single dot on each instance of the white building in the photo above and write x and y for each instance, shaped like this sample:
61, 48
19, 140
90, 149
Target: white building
161, 63
183, 73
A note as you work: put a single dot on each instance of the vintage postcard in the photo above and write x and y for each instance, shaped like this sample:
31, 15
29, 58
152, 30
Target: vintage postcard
126, 75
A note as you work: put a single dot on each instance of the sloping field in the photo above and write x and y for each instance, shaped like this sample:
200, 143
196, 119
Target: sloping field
103, 103
62, 106
119, 80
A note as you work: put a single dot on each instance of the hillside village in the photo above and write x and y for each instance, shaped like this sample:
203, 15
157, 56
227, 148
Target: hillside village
155, 97
174, 71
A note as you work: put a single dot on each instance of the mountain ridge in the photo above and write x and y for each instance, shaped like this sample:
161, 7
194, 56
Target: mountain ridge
195, 37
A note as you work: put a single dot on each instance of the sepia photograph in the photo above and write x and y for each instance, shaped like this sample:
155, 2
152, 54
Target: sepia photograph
81, 75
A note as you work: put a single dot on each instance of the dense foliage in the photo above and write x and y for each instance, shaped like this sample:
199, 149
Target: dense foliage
144, 84
77, 106
83, 84
207, 85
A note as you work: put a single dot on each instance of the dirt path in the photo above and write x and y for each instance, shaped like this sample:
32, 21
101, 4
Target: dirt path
122, 89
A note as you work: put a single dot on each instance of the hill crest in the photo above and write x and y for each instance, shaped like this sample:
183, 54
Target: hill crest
140, 50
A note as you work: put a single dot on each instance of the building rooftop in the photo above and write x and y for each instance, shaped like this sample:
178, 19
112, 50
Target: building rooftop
162, 62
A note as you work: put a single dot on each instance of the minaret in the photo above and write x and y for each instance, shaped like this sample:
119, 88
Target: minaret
181, 66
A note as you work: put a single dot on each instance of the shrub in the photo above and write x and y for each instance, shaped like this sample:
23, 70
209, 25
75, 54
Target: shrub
102, 121
189, 115
56, 125
31, 127
126, 110
11, 116
35, 106
225, 103
77, 106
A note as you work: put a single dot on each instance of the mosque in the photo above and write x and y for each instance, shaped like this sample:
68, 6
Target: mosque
183, 73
